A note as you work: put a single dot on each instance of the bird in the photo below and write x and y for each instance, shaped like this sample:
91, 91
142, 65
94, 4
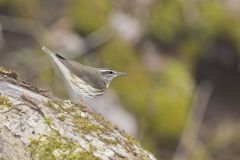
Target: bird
85, 81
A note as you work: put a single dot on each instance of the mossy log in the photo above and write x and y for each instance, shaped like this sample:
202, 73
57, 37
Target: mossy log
37, 125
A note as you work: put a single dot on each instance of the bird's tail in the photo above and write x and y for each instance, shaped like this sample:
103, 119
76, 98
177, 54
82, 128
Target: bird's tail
46, 50
56, 58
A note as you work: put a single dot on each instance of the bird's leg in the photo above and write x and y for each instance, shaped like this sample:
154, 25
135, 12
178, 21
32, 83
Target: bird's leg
88, 109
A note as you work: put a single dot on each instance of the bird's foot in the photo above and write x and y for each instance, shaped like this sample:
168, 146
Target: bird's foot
85, 106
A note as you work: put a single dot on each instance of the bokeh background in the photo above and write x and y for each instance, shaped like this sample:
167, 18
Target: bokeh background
180, 98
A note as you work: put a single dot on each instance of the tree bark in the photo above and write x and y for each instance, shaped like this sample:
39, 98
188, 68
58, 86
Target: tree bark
36, 125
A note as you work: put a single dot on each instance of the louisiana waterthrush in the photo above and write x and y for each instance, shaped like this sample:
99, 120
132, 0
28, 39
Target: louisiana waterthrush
85, 81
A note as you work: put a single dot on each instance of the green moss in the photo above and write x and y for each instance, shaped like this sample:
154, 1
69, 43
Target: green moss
109, 127
109, 141
8, 73
59, 106
54, 147
48, 121
5, 102
3, 70
85, 155
55, 105
83, 125
61, 117
130, 140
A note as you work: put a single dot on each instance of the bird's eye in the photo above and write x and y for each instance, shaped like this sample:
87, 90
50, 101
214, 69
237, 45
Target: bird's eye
111, 72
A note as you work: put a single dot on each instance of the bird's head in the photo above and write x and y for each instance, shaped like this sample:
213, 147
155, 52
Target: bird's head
109, 74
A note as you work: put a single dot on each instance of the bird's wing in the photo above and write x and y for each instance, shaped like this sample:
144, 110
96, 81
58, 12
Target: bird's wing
88, 74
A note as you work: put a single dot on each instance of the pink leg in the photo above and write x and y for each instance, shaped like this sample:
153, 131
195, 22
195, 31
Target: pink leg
88, 109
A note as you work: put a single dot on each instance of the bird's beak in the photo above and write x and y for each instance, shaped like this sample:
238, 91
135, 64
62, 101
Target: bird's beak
121, 74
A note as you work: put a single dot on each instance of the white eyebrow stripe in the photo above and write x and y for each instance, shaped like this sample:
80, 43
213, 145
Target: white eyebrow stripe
105, 70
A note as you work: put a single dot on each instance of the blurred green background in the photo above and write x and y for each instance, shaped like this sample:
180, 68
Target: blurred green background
167, 47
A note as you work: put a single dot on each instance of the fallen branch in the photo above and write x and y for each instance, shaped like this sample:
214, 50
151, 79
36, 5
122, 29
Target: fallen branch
37, 125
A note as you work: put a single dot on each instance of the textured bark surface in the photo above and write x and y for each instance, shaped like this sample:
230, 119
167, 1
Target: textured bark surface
36, 125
